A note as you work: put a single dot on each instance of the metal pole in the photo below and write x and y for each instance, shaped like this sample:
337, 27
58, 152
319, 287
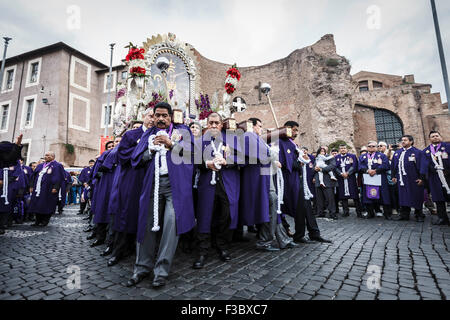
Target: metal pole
109, 91
441, 49
273, 112
3, 61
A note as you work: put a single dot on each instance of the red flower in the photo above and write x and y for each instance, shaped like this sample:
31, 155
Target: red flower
229, 88
234, 73
135, 53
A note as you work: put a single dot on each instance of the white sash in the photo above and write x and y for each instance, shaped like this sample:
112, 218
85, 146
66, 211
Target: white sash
401, 167
439, 166
5, 185
308, 194
39, 181
217, 154
280, 189
346, 188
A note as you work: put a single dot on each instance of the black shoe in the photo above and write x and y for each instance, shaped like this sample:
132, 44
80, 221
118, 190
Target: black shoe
2, 231
334, 217
107, 251
320, 239
199, 263
359, 215
91, 236
97, 243
113, 261
420, 218
87, 218
403, 218
36, 224
88, 229
136, 278
291, 245
302, 241
252, 229
269, 248
442, 222
224, 255
321, 216
388, 218
240, 239
346, 214
158, 282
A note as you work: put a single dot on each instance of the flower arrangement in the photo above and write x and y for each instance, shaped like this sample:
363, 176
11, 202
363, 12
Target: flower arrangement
203, 106
232, 79
157, 97
134, 53
136, 62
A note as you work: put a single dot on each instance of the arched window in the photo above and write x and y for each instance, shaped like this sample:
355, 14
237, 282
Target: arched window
389, 126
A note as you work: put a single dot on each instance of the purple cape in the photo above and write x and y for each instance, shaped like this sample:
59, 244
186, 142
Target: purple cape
410, 194
383, 167
180, 176
206, 191
255, 182
427, 169
351, 166
104, 188
129, 182
46, 202
17, 181
97, 193
288, 155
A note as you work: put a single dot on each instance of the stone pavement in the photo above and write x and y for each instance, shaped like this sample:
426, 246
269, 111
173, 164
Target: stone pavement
408, 260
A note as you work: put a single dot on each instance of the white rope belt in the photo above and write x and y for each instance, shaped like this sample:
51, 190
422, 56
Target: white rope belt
439, 166
217, 154
160, 153
280, 188
5, 185
346, 188
197, 178
39, 182
401, 168
307, 192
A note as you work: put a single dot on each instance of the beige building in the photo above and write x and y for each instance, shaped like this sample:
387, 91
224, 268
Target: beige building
312, 86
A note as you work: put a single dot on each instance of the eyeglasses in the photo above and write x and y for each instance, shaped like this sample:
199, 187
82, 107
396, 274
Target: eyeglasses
371, 146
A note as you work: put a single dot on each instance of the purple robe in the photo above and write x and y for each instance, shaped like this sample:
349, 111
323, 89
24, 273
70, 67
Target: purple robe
104, 188
28, 175
438, 193
351, 167
180, 176
84, 177
113, 161
97, 193
67, 180
46, 202
206, 191
410, 194
255, 182
292, 180
16, 183
381, 164
129, 184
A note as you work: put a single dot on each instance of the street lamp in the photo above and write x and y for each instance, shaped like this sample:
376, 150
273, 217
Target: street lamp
109, 84
7, 39
265, 89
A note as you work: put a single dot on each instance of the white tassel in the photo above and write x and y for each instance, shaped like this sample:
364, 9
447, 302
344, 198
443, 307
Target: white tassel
307, 192
5, 185
160, 152
280, 187
39, 182
401, 167
217, 154
346, 188
197, 178
439, 166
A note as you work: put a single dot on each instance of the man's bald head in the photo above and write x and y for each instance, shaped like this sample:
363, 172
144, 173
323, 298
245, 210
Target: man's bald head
49, 156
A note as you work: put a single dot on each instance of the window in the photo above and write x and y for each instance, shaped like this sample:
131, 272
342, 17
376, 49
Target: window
28, 111
25, 152
124, 75
9, 79
377, 84
34, 72
389, 126
107, 114
80, 74
29, 114
363, 86
4, 115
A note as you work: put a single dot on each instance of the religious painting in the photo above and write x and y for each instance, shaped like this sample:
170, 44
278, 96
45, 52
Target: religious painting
177, 80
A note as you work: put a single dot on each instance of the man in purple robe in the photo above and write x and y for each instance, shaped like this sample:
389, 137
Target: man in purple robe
47, 180
104, 189
296, 191
254, 202
66, 183
166, 208
84, 179
435, 167
218, 191
374, 167
347, 167
125, 210
405, 168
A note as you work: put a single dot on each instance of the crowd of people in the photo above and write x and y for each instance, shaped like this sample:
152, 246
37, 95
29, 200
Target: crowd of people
162, 183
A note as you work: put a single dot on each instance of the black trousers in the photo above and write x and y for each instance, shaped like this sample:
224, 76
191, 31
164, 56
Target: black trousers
442, 210
405, 212
102, 229
357, 205
123, 244
221, 220
82, 207
325, 198
3, 220
43, 218
305, 219
60, 206
387, 210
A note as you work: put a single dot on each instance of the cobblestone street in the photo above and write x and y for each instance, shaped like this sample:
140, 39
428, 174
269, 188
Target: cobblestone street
413, 261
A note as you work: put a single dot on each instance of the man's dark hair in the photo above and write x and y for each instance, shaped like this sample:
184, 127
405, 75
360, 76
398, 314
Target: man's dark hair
216, 115
320, 149
31, 164
334, 150
91, 161
164, 105
305, 148
433, 132
291, 124
409, 137
254, 121
136, 122
342, 146
108, 143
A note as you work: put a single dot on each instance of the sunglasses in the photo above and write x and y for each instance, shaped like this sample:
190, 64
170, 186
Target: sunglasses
371, 146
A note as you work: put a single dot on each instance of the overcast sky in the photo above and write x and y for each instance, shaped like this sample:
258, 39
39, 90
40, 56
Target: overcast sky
387, 36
